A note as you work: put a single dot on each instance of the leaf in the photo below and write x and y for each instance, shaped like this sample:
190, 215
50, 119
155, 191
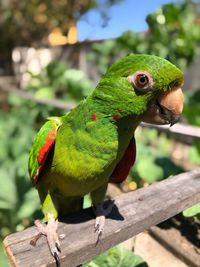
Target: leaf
192, 115
194, 155
21, 164
117, 257
3, 259
192, 211
30, 204
168, 166
15, 100
148, 170
45, 92
77, 83
8, 195
55, 69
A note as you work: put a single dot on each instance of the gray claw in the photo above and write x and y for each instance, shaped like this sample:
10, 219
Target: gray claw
101, 215
58, 246
96, 228
57, 259
99, 234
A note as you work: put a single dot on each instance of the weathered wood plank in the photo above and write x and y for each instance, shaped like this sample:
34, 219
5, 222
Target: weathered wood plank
180, 247
134, 212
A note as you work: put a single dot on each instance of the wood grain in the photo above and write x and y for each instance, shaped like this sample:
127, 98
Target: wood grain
180, 247
133, 213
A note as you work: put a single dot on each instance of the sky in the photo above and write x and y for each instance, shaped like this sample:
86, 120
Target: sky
126, 15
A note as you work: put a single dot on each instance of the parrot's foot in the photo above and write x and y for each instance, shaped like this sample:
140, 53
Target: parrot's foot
101, 215
50, 231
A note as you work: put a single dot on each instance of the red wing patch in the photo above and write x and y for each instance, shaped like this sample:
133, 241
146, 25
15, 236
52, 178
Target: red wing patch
50, 140
44, 151
43, 143
122, 169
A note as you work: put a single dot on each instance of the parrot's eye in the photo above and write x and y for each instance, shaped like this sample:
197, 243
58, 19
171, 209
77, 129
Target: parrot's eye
141, 81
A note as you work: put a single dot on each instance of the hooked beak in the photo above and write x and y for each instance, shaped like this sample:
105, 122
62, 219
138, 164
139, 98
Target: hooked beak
166, 109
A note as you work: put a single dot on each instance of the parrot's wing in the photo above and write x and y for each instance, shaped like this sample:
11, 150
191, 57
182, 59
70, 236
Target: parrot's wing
44, 141
122, 169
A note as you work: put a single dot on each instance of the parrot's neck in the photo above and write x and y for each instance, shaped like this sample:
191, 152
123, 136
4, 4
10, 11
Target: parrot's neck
90, 115
114, 97
123, 120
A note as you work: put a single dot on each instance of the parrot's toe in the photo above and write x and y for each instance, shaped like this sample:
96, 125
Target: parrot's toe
101, 215
99, 224
50, 231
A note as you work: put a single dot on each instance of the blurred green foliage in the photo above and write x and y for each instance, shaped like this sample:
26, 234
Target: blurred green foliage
117, 256
35, 20
173, 33
153, 162
194, 211
58, 80
191, 110
18, 201
191, 113
3, 259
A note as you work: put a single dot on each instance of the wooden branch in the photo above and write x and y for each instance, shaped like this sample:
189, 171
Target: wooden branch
7, 85
134, 212
179, 129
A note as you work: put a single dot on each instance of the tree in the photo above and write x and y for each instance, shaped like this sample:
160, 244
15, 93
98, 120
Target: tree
28, 23
173, 33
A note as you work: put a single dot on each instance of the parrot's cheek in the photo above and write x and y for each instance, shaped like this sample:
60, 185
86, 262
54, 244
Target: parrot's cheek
166, 109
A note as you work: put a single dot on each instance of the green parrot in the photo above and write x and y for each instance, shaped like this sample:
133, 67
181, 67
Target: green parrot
93, 144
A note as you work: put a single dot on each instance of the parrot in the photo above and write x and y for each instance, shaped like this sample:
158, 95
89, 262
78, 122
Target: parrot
92, 145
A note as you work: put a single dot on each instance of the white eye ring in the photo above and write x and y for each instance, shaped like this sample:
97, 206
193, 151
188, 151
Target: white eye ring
141, 80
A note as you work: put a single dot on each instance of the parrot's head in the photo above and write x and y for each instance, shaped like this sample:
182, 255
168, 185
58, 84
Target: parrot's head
144, 86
